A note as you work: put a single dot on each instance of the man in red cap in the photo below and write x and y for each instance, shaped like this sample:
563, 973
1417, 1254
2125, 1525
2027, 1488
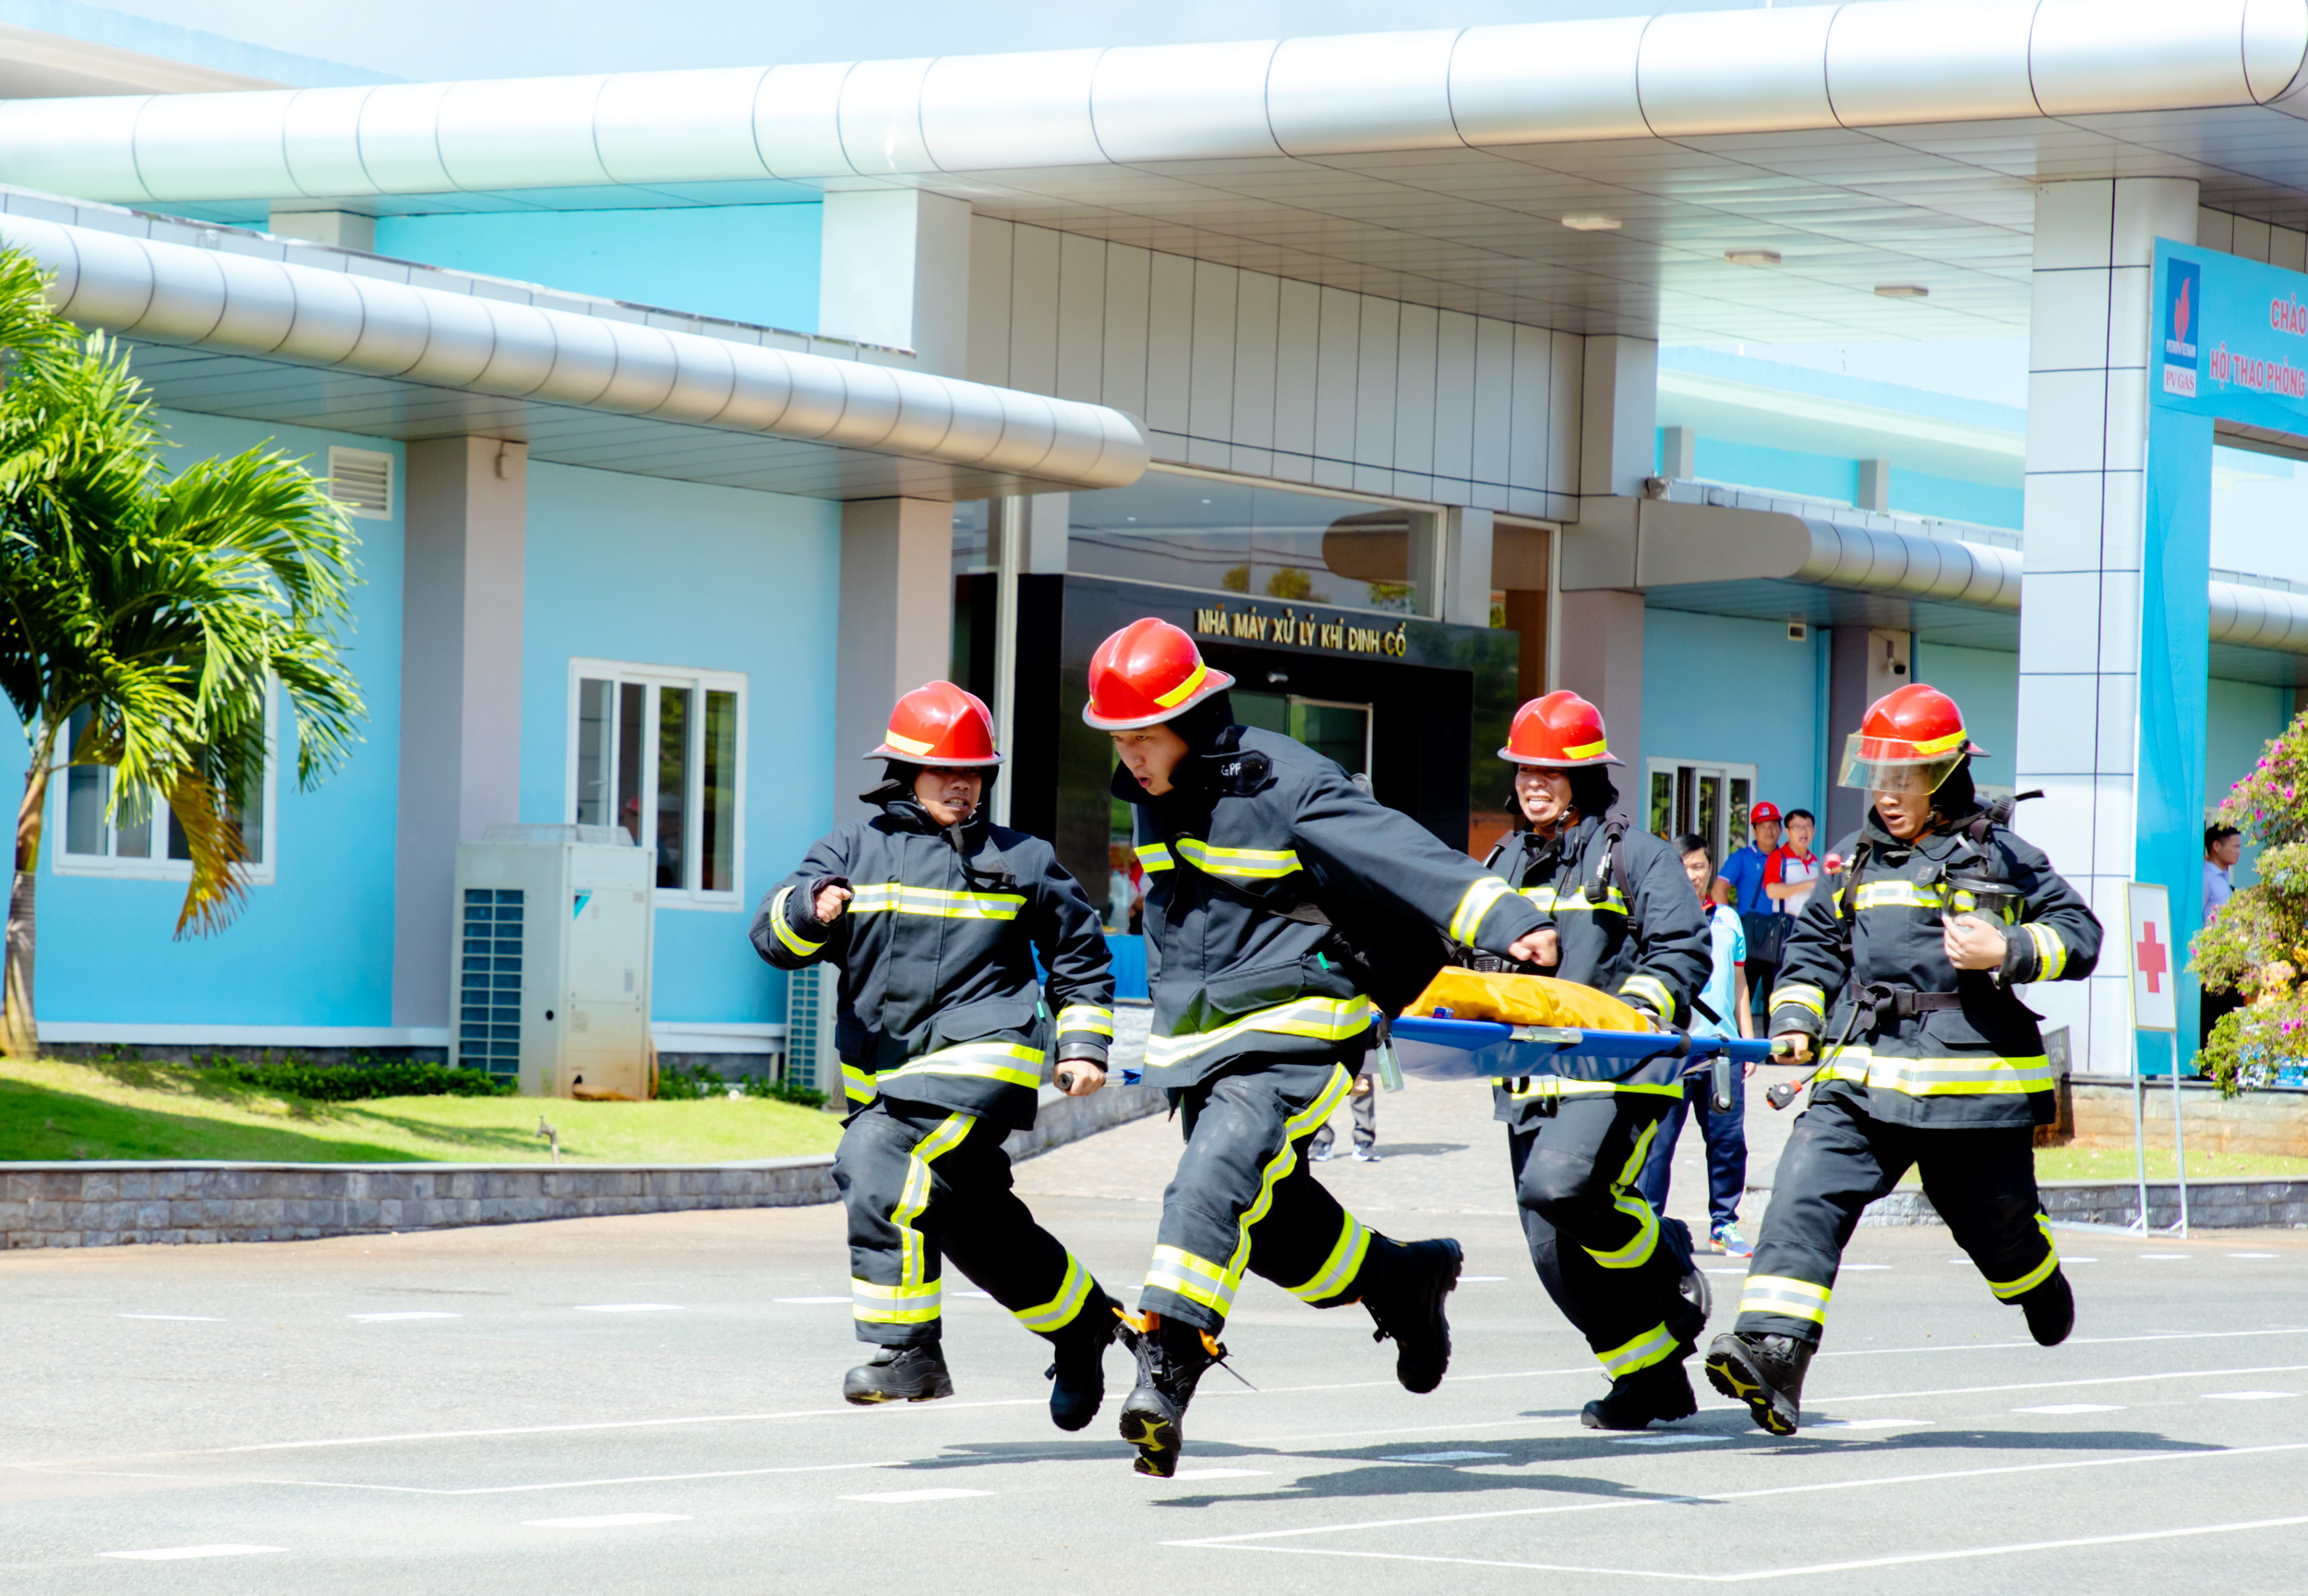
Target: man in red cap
1622, 918
1910, 959
1760, 918
935, 917
1286, 915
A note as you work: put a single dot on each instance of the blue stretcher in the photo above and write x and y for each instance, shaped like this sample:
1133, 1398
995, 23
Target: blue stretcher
1445, 1050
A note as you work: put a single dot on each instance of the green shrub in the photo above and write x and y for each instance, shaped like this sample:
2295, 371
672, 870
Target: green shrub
363, 1078
689, 1082
2259, 945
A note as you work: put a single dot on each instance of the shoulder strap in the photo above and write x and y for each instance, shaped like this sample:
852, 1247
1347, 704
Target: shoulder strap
1612, 867
1853, 867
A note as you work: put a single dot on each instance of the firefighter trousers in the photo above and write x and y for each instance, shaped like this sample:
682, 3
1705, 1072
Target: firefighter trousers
1839, 1158
924, 1186
1242, 1196
1612, 1266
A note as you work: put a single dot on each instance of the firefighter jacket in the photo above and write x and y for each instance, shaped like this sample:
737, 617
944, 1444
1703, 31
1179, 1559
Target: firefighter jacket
940, 1004
1249, 830
1931, 1045
1644, 941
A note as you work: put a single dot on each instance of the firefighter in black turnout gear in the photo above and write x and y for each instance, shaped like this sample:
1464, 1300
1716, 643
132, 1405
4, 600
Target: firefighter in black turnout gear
1620, 918
933, 916
1899, 980
1282, 903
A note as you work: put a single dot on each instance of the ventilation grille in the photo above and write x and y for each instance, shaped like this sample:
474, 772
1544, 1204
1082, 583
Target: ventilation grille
808, 1053
489, 994
361, 480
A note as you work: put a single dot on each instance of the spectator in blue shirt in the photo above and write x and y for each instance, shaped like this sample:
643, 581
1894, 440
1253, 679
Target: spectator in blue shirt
1726, 1130
1744, 871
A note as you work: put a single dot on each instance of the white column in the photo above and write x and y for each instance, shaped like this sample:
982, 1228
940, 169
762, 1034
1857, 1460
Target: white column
2080, 599
1466, 566
896, 619
894, 269
463, 568
1618, 416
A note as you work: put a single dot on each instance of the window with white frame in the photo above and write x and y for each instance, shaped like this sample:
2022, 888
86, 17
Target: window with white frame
147, 840
661, 753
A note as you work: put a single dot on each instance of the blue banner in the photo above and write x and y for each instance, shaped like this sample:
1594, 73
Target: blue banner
2230, 339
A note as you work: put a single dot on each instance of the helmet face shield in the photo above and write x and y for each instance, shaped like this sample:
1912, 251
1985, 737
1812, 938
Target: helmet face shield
1871, 768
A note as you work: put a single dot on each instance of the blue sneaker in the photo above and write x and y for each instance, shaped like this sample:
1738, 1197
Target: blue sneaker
1731, 1243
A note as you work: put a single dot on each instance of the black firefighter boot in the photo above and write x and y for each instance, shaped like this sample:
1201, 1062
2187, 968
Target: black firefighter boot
1403, 1286
1661, 1391
900, 1375
2050, 1309
1765, 1373
1171, 1358
1077, 1368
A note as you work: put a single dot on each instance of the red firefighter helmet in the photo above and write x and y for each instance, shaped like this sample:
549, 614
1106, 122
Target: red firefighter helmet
1560, 731
1148, 673
938, 723
1910, 740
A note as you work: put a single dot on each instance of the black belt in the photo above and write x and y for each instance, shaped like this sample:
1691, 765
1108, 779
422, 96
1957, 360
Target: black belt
1880, 1002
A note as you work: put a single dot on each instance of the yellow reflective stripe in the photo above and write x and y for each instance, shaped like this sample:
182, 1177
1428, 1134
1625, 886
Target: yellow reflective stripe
1961, 1075
894, 898
1085, 1017
1575, 901
1472, 906
1930, 746
1003, 1061
906, 744
1197, 1279
2051, 954
914, 1197
1628, 1201
875, 1304
1650, 987
1790, 1298
2007, 1290
856, 1085
1898, 893
1340, 1268
1655, 1345
1587, 750
1324, 1019
1059, 1312
1155, 857
1802, 994
796, 944
1184, 690
1257, 864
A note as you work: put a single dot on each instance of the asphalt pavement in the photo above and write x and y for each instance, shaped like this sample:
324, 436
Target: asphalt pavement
649, 1404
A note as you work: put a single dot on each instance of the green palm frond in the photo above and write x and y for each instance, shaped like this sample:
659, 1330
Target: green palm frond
166, 608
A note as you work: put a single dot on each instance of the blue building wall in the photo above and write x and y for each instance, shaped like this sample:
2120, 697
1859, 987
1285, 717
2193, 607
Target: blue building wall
1985, 682
1836, 478
645, 570
315, 948
1717, 687
752, 263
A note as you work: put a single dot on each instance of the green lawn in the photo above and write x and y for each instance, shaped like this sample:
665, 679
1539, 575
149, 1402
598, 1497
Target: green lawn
49, 1109
2117, 1164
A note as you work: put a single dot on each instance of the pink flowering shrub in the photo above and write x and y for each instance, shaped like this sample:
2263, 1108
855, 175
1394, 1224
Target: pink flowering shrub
2259, 945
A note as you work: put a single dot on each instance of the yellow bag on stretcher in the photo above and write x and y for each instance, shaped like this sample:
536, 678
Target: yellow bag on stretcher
1526, 1000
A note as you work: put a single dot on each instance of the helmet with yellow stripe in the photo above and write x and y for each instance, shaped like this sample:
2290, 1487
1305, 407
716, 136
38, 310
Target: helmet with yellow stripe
1910, 740
1561, 731
941, 726
1146, 673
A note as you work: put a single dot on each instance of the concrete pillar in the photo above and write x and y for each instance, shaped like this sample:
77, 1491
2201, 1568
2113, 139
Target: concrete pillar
894, 269
1618, 416
343, 229
1679, 452
1601, 659
1466, 566
896, 617
1875, 486
464, 568
2079, 684
1863, 664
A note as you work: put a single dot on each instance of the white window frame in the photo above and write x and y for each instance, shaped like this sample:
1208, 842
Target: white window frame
701, 681
258, 872
1729, 770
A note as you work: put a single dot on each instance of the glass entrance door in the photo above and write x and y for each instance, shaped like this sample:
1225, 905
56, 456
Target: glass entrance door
1709, 799
1339, 732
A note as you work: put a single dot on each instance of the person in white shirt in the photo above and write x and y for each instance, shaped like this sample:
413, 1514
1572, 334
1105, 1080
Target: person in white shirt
1793, 870
2223, 846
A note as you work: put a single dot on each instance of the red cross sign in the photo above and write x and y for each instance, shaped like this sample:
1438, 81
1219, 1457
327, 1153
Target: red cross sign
2149, 909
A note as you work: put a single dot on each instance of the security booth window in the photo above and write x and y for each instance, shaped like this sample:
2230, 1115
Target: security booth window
141, 837
1228, 535
661, 754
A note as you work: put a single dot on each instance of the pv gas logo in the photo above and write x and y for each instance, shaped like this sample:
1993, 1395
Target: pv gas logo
2183, 312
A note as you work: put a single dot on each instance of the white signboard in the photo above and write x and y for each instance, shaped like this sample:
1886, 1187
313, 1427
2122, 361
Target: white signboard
2155, 961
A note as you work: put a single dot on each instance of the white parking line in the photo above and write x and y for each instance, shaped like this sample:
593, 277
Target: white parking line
181, 1318
2163, 1258
1219, 1473
169, 1554
1437, 1457
628, 1307
2246, 1396
1472, 1280
513, 1490
607, 1520
2073, 1408
1667, 1438
2066, 1385
2255, 1255
816, 1302
391, 1318
1864, 1424
935, 1493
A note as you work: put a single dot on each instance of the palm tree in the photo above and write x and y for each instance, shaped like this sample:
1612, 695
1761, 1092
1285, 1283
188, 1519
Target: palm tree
155, 610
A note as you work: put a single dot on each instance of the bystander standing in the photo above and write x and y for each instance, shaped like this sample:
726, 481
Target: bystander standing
1765, 928
2223, 846
1793, 869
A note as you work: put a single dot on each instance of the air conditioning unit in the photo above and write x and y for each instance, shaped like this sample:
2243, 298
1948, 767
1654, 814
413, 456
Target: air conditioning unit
549, 976
812, 999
